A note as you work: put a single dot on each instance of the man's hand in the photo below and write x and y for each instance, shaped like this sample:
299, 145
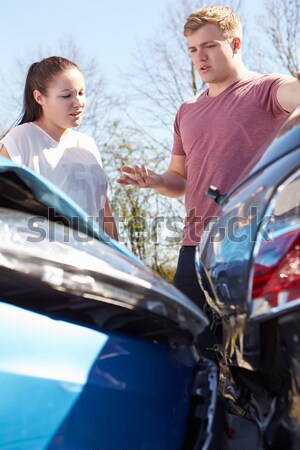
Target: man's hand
139, 176
171, 183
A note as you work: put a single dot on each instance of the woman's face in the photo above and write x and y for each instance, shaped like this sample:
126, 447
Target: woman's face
64, 103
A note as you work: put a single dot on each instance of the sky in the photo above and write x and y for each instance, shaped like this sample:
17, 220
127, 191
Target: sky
105, 29
108, 31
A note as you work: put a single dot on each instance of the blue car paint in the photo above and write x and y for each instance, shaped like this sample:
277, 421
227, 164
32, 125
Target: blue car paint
67, 386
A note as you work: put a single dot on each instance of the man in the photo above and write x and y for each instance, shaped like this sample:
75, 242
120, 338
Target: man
217, 132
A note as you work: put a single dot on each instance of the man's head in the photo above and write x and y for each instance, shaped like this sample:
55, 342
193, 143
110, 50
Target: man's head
214, 42
225, 18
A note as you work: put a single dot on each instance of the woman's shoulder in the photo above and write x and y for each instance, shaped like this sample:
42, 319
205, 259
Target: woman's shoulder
18, 142
20, 131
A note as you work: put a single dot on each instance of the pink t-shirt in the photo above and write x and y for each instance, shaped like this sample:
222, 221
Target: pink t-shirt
219, 136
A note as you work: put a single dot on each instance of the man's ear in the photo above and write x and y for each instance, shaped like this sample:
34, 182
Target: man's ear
38, 97
236, 44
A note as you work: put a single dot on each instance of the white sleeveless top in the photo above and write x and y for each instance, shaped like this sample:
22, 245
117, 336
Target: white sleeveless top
73, 164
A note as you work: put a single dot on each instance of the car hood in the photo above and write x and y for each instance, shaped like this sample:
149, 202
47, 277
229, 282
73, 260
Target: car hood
100, 269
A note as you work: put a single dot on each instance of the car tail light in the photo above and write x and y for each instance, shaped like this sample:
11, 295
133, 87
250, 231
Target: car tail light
282, 276
276, 258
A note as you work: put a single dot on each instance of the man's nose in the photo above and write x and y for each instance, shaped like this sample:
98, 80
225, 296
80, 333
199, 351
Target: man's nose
201, 55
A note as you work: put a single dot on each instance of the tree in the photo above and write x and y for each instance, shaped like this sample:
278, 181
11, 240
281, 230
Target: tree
281, 25
143, 219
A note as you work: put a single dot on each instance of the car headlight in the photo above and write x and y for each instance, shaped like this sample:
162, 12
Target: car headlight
71, 261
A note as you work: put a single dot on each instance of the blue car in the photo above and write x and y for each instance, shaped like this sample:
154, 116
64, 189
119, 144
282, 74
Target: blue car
97, 351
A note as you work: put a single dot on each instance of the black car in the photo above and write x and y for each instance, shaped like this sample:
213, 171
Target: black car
249, 269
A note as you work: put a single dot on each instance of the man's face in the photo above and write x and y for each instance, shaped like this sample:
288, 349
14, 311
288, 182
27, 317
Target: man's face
212, 54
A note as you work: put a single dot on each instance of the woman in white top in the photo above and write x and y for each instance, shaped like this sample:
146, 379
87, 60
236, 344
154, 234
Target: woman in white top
44, 139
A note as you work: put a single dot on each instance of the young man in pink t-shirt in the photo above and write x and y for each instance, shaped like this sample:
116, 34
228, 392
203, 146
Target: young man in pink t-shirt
217, 132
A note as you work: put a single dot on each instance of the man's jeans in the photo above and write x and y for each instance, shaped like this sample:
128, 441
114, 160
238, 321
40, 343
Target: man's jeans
186, 281
185, 278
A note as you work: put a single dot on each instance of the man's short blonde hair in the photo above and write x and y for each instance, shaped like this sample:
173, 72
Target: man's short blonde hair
227, 20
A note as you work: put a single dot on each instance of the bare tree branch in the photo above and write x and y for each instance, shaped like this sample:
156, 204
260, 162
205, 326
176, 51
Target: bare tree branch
281, 24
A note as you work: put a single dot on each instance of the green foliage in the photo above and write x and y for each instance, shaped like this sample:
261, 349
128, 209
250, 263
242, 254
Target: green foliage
136, 210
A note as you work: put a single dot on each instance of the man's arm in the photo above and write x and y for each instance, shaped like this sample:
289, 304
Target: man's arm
171, 183
288, 94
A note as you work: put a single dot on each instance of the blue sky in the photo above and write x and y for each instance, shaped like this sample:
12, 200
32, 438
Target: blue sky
105, 29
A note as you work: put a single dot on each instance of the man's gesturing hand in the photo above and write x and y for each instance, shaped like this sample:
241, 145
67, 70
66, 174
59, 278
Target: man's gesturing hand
139, 176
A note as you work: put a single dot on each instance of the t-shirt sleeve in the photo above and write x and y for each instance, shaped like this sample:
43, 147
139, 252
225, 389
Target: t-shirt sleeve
177, 143
266, 89
12, 148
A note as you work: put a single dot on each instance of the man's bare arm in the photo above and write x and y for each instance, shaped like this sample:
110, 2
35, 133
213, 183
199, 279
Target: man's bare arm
171, 183
288, 94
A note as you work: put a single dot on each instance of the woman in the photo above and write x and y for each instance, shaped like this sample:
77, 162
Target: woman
44, 139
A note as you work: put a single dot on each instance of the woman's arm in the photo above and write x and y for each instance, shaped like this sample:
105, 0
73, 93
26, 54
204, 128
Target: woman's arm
109, 225
4, 152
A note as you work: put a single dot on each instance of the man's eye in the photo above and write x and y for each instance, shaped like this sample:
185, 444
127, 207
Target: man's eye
210, 46
66, 96
192, 50
82, 93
